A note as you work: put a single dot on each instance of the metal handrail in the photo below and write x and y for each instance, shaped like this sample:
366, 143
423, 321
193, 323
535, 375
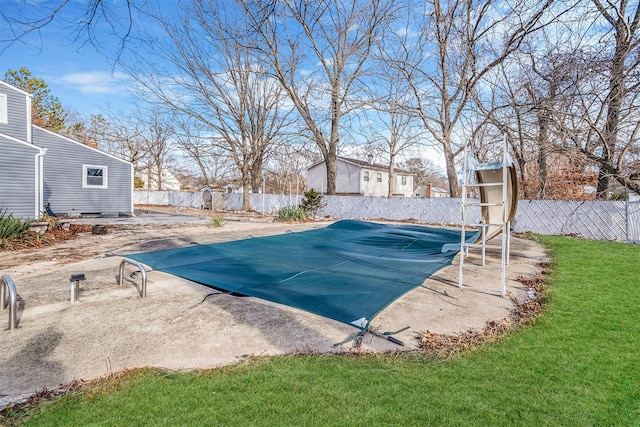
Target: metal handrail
7, 284
143, 273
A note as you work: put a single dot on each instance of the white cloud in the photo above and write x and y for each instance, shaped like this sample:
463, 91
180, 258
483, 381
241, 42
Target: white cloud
95, 82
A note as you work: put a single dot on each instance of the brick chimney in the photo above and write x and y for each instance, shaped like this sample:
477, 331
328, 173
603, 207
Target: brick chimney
428, 190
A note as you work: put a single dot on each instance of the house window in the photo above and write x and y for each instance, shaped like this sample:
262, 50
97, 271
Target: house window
379, 177
94, 176
365, 175
404, 180
4, 116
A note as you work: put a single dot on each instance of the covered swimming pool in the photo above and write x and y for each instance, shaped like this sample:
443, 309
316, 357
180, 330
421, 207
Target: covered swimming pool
348, 271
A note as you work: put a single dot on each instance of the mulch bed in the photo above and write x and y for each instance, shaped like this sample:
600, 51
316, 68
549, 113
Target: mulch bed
36, 240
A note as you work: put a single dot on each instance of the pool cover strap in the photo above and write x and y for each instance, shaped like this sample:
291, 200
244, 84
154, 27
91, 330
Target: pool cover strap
348, 271
386, 335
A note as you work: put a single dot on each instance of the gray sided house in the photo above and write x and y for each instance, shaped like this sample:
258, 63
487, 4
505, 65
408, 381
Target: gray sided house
39, 167
79, 179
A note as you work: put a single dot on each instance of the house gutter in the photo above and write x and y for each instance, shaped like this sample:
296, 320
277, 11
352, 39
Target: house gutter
29, 130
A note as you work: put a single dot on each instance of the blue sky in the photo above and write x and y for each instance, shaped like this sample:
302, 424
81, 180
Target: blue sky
82, 78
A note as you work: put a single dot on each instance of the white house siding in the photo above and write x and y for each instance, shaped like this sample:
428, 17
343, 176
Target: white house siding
373, 187
64, 173
18, 114
169, 181
348, 178
317, 178
405, 190
19, 178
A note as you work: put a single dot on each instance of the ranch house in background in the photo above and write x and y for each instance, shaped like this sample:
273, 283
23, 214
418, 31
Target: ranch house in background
430, 191
359, 177
150, 181
40, 168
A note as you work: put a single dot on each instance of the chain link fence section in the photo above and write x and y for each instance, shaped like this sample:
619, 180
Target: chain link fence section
187, 199
440, 211
263, 203
601, 220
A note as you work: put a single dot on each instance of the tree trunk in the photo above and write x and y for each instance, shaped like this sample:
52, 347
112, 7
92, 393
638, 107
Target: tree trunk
543, 136
256, 173
256, 182
246, 206
392, 161
524, 176
614, 104
331, 165
450, 161
543, 172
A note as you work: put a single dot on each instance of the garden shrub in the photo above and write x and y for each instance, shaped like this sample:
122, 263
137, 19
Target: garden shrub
312, 202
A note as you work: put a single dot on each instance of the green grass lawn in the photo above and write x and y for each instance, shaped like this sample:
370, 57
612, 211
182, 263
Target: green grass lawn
577, 365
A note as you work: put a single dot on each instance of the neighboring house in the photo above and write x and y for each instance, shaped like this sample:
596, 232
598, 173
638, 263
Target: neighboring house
39, 167
168, 180
233, 188
362, 178
430, 191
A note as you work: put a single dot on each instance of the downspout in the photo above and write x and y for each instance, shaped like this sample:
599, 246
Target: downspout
133, 185
39, 180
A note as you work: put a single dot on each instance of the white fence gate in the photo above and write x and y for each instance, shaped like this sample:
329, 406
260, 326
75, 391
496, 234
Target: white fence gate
633, 221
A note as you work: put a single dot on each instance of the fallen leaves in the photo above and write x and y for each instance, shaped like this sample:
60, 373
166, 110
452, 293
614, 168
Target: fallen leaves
444, 345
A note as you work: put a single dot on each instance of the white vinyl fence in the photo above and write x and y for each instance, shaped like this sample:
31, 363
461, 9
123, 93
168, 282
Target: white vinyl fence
602, 220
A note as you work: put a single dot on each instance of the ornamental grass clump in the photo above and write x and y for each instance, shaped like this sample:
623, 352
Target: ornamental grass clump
291, 214
15, 233
216, 221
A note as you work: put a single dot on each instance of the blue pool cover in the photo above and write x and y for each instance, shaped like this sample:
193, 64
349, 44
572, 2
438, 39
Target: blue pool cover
348, 271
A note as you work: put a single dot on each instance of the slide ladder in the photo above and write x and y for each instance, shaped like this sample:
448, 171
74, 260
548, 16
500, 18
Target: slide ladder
497, 185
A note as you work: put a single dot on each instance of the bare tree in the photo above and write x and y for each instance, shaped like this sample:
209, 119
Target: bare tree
457, 44
424, 171
121, 135
158, 140
392, 133
527, 95
608, 112
107, 26
213, 163
390, 126
318, 51
206, 72
285, 172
